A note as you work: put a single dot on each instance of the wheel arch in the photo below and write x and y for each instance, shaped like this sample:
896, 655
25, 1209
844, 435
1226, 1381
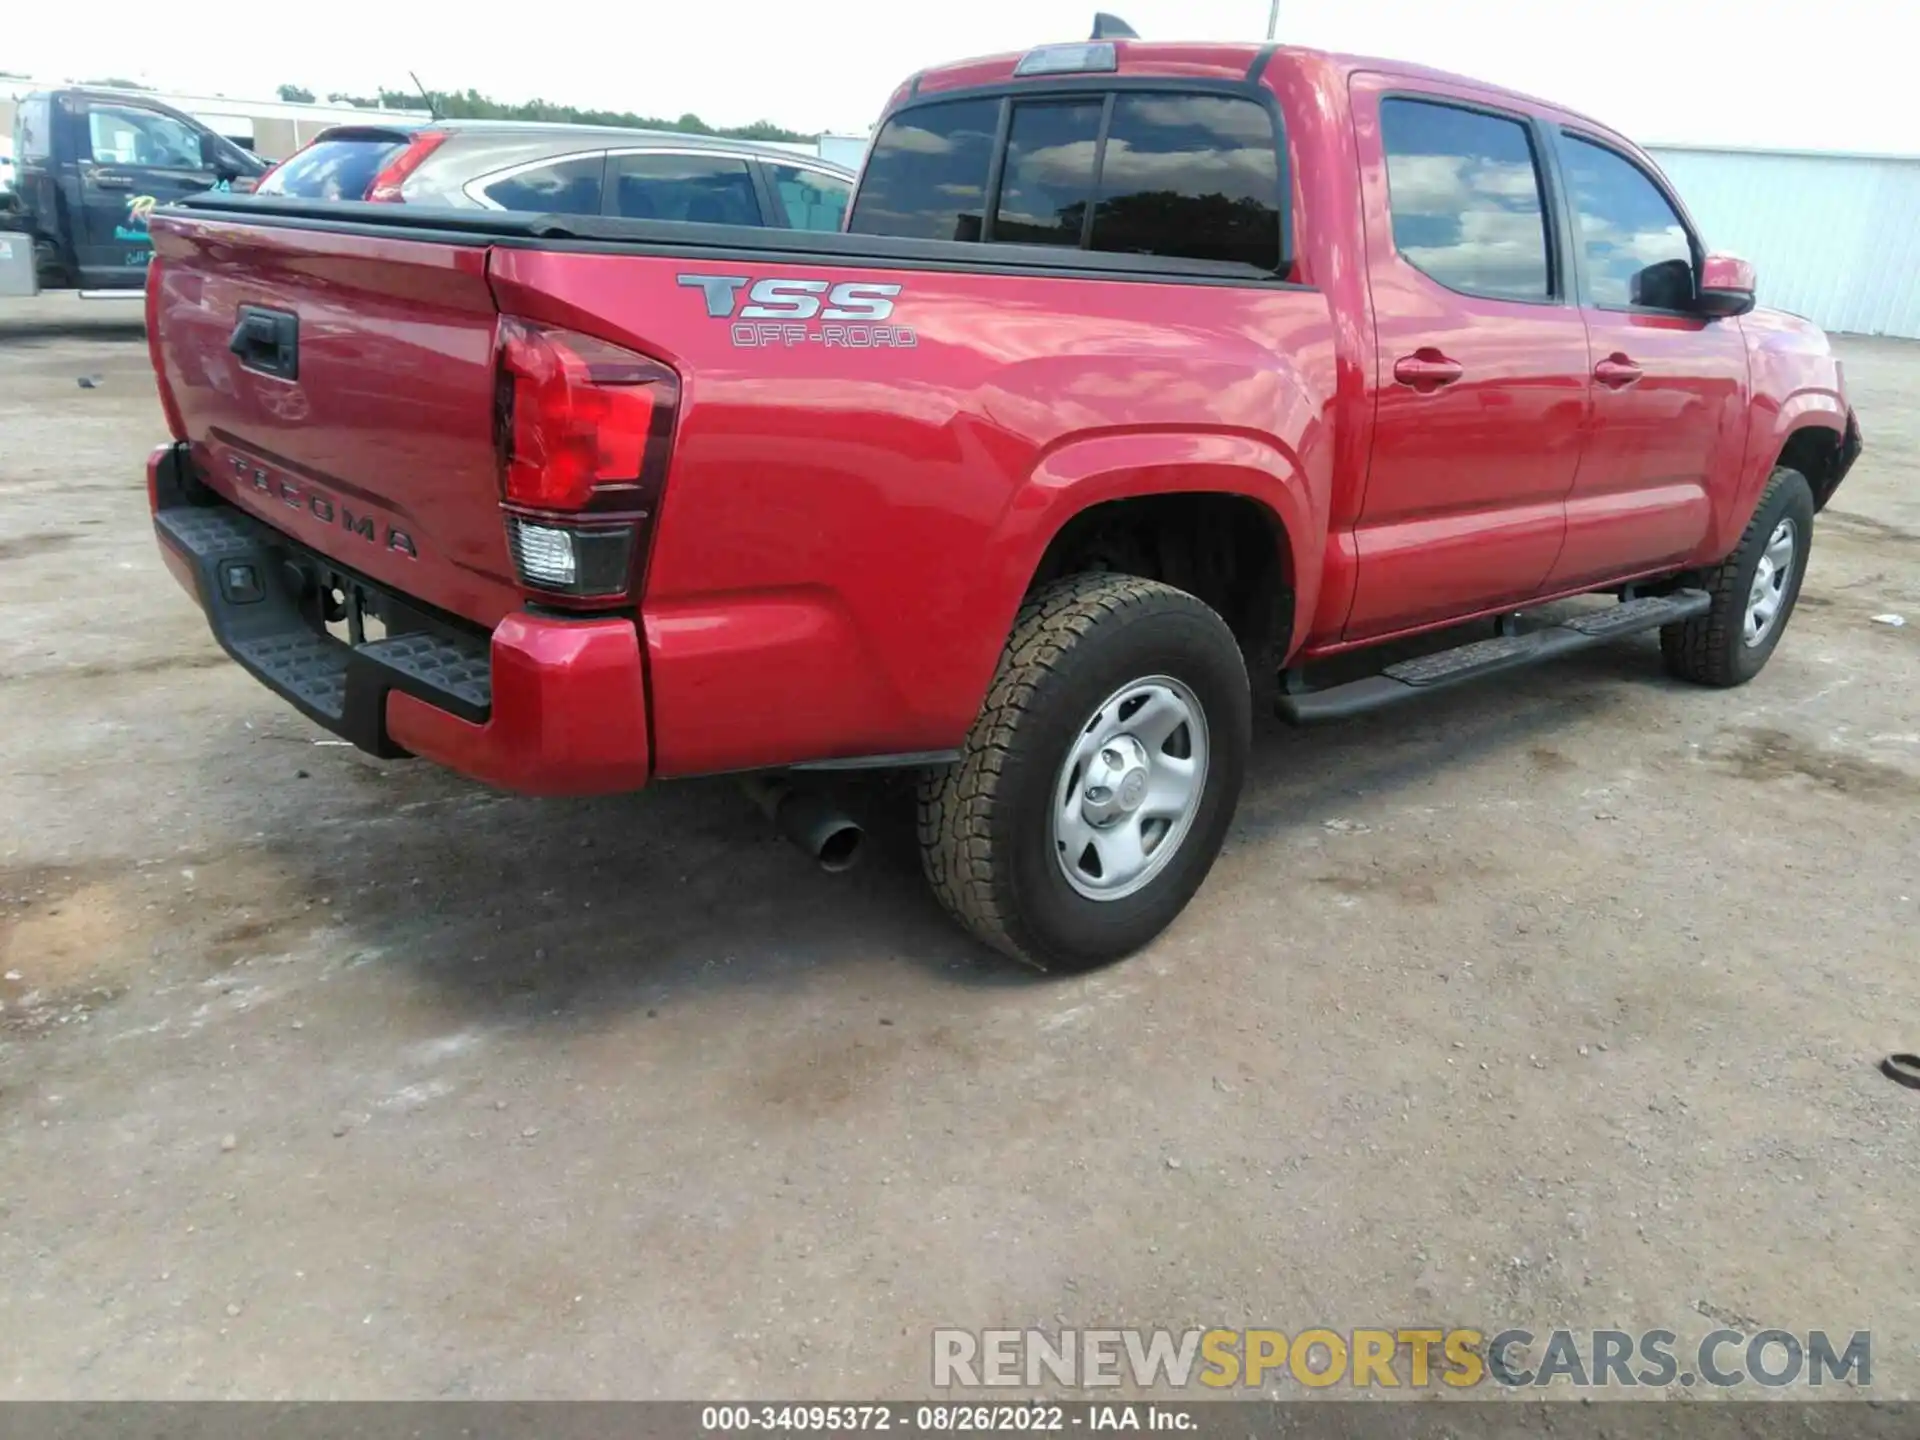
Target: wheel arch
1819, 448
1171, 506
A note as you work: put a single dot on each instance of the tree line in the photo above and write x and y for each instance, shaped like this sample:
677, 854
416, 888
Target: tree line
472, 105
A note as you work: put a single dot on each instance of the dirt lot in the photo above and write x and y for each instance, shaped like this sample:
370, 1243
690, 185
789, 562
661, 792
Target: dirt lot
1553, 1003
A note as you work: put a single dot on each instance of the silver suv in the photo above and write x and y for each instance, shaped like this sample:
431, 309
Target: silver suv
567, 170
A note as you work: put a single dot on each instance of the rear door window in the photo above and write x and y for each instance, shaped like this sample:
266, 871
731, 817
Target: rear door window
810, 199
559, 187
703, 189
1190, 175
1047, 183
332, 169
926, 177
1464, 192
33, 130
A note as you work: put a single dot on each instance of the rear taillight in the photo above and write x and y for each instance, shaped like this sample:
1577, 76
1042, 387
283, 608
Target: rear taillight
385, 188
583, 429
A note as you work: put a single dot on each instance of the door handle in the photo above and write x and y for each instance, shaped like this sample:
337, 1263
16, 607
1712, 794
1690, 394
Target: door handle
113, 182
1616, 372
1426, 369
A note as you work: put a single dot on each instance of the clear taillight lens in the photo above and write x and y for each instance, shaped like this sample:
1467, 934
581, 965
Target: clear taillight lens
586, 562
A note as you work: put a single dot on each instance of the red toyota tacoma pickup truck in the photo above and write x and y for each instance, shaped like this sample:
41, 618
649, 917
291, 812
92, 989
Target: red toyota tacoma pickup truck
1144, 378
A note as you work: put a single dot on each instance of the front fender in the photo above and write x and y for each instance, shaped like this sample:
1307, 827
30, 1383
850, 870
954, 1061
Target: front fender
1817, 407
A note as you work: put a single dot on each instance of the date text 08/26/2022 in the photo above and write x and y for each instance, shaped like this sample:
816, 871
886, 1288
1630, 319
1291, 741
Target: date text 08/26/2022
944, 1418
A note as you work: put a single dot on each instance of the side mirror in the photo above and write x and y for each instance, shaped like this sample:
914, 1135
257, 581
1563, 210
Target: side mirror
1664, 285
1727, 287
214, 157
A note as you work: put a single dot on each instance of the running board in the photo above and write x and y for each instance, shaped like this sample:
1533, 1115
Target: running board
1411, 679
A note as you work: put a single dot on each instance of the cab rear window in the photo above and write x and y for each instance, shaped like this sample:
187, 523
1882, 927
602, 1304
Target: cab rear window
332, 169
33, 129
927, 175
1196, 176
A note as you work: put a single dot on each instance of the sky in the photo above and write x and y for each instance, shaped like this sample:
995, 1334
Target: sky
1831, 75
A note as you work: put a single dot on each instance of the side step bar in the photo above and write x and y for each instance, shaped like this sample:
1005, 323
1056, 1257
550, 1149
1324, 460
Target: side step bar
1411, 679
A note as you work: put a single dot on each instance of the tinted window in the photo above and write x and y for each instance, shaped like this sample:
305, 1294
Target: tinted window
130, 135
706, 189
1192, 175
561, 187
1625, 224
32, 125
332, 169
1465, 196
927, 174
809, 199
1048, 178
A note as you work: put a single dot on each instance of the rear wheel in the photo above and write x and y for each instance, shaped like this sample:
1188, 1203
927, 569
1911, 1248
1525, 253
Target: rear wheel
1097, 784
1753, 589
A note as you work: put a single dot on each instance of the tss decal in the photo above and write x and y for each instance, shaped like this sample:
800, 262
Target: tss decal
797, 304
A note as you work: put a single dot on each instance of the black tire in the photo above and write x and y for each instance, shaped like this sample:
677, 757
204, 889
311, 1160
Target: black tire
1712, 649
985, 824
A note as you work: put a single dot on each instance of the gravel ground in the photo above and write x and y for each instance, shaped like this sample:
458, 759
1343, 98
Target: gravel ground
1556, 1002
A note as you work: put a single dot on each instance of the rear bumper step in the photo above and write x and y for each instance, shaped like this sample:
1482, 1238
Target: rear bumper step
544, 705
1410, 679
244, 577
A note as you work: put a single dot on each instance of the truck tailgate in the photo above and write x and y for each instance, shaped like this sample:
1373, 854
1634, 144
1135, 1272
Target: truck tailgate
340, 387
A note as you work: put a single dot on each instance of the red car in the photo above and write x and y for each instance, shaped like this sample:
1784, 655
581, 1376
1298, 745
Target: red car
1146, 377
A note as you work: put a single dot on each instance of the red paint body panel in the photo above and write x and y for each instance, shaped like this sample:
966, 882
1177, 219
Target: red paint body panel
569, 712
391, 417
1661, 448
845, 534
1465, 493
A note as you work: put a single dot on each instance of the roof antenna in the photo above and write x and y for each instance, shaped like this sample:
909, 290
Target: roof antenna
433, 110
1112, 27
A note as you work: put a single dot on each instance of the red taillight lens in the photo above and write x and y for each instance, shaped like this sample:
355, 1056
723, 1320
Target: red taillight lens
584, 428
584, 424
385, 188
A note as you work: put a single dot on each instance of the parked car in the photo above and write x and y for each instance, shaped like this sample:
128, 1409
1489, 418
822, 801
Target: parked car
567, 170
1147, 377
90, 165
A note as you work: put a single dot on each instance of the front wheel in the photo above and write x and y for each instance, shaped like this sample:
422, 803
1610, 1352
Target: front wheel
1753, 589
1098, 783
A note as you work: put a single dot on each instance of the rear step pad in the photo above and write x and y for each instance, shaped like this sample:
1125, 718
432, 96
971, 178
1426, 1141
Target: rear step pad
341, 686
1429, 673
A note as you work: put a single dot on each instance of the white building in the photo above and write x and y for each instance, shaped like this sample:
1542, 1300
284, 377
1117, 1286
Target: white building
1834, 236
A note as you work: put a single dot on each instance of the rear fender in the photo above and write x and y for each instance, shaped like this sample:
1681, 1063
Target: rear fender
1098, 469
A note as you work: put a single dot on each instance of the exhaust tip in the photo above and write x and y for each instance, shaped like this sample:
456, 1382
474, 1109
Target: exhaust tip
809, 820
840, 848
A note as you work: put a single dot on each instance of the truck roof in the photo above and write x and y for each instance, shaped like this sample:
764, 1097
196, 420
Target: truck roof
1200, 60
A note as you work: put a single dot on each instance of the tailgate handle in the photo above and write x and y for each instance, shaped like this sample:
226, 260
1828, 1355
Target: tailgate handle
268, 341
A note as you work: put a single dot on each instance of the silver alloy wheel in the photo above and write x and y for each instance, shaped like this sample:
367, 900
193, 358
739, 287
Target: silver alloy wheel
1130, 787
1770, 579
